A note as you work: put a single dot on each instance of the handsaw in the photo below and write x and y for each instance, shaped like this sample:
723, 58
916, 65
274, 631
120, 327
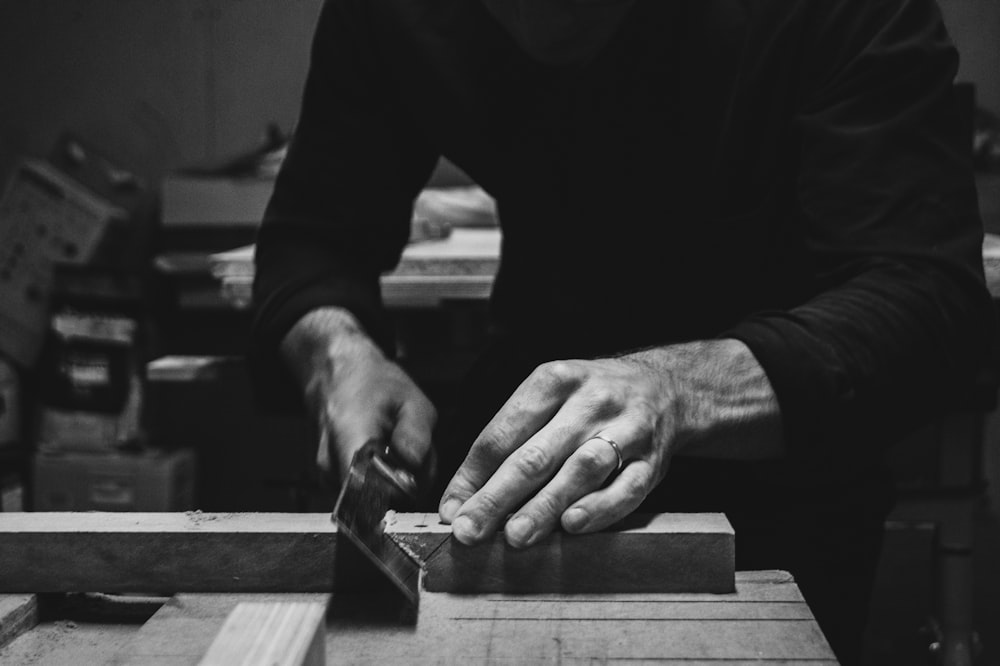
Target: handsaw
376, 483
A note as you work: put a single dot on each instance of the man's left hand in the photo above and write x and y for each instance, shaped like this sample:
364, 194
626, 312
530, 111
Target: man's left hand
546, 459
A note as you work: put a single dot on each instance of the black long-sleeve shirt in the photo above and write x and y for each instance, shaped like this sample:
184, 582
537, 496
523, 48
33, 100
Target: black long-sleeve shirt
792, 174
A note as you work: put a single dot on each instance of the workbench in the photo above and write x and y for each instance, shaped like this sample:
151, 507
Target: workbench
460, 267
765, 620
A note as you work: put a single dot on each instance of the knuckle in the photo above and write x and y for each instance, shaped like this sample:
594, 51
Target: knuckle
489, 446
557, 373
591, 463
486, 504
545, 508
532, 461
635, 490
459, 488
648, 416
604, 399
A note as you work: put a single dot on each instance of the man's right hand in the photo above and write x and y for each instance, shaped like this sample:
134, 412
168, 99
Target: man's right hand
355, 392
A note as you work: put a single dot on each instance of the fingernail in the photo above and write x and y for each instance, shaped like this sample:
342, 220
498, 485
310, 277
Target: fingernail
464, 529
520, 531
574, 520
449, 509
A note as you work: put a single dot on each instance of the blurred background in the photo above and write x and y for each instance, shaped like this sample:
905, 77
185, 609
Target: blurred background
126, 107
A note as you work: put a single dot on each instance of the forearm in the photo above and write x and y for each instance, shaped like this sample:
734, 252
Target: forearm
724, 406
331, 228
883, 352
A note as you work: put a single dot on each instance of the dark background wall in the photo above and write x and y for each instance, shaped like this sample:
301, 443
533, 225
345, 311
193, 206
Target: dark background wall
156, 83
164, 83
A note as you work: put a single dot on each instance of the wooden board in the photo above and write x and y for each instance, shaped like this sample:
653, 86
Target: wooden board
198, 618
765, 620
398, 290
281, 633
18, 614
690, 552
163, 552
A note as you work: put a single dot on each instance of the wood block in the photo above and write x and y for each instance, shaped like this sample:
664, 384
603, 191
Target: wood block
645, 553
271, 634
18, 614
194, 552
166, 552
198, 618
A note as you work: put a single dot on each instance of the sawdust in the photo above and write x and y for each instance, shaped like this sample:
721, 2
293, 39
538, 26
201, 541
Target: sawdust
198, 517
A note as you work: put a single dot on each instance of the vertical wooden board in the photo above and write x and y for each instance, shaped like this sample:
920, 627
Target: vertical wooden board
197, 618
278, 633
18, 613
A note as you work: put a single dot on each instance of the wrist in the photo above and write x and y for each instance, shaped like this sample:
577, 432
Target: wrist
323, 339
721, 401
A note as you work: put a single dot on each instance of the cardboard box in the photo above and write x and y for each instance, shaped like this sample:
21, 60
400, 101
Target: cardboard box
148, 481
45, 218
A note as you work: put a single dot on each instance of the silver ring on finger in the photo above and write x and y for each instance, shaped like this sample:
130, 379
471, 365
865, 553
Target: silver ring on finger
614, 446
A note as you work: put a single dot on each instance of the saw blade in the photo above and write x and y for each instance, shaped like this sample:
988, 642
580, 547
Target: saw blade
373, 487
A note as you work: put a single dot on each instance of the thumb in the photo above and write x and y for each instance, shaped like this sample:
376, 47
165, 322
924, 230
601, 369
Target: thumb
323, 452
411, 435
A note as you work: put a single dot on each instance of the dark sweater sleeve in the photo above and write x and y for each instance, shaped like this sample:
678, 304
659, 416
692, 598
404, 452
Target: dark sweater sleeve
887, 215
340, 213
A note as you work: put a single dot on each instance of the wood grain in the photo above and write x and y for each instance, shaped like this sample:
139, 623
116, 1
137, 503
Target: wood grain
765, 621
194, 552
198, 619
280, 633
646, 553
166, 552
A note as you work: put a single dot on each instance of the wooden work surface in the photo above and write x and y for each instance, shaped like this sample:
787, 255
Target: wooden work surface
765, 621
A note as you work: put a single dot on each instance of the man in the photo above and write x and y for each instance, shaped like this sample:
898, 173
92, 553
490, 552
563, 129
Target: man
740, 243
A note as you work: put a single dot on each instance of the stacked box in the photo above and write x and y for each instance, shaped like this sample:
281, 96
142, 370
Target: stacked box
147, 481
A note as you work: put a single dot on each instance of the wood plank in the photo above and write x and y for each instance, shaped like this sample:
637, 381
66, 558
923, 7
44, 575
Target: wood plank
283, 633
198, 618
646, 553
748, 626
68, 643
163, 552
765, 620
18, 614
